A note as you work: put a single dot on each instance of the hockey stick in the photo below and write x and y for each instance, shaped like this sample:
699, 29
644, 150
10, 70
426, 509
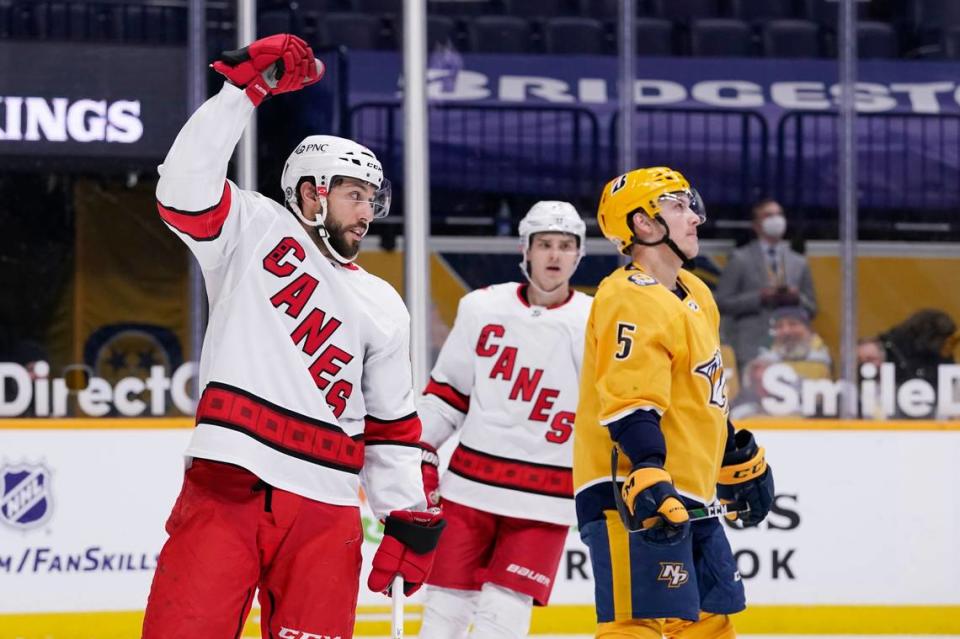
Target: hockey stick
696, 514
396, 616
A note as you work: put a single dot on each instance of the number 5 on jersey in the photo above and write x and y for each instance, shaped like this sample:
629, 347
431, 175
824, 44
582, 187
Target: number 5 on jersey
625, 331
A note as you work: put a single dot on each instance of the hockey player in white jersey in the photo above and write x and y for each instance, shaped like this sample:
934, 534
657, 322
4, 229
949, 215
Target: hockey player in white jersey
507, 381
305, 379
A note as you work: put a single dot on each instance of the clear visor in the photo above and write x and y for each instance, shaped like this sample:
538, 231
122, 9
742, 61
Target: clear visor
356, 194
684, 199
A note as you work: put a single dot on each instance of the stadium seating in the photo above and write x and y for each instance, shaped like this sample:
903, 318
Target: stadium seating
685, 10
274, 22
53, 21
758, 10
539, 8
826, 13
876, 40
440, 30
574, 35
935, 14
791, 39
352, 30
499, 34
720, 37
22, 22
603, 9
463, 8
382, 7
105, 23
654, 37
776, 28
326, 6
951, 43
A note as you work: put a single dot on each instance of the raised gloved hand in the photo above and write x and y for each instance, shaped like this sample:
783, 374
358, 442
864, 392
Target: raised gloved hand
745, 477
250, 67
409, 542
430, 472
649, 493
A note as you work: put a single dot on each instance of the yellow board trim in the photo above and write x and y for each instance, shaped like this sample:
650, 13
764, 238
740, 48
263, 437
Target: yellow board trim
556, 619
848, 424
97, 423
165, 423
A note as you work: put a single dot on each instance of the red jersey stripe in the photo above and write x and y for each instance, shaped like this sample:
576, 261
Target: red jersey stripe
281, 429
200, 225
540, 479
448, 394
405, 430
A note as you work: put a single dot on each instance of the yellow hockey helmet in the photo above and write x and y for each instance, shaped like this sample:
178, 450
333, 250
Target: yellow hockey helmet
640, 190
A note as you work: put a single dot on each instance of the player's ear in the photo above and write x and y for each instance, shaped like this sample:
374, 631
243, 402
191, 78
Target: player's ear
308, 192
641, 224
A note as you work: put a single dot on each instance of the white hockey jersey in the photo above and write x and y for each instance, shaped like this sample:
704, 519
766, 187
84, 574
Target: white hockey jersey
508, 378
305, 366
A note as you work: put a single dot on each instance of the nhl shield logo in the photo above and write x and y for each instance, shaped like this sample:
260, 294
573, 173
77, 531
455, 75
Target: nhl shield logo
25, 501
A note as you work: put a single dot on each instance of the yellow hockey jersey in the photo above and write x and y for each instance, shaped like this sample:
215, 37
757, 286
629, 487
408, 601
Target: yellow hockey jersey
646, 349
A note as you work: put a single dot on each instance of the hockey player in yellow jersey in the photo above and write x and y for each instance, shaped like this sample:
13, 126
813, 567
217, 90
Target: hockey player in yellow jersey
652, 385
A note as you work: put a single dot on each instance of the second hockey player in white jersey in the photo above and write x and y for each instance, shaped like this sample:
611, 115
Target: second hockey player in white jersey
507, 380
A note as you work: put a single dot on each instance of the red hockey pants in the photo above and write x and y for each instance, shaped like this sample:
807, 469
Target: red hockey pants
229, 535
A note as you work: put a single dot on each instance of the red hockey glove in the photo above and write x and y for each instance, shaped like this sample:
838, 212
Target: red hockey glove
248, 67
409, 541
430, 471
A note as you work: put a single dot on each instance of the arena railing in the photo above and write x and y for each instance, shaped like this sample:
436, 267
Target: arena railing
723, 152
906, 173
540, 151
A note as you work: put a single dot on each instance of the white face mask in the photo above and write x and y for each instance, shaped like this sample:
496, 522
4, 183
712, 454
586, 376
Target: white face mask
774, 226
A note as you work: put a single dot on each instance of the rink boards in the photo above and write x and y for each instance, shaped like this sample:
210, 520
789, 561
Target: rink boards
862, 537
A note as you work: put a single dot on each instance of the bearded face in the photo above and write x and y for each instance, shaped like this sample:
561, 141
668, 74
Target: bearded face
791, 338
345, 238
350, 210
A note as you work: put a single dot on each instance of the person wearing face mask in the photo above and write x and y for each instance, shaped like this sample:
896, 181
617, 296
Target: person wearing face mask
760, 277
507, 381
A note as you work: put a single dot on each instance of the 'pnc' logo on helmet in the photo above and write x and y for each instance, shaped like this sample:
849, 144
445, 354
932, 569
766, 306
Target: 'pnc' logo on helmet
304, 148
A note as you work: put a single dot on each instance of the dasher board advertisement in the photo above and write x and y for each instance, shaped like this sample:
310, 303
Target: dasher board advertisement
865, 515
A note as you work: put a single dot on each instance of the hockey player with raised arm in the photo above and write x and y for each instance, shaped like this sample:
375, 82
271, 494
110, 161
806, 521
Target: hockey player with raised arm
653, 388
506, 380
305, 381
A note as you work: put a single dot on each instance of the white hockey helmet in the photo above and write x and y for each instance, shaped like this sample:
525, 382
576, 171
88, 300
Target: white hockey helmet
324, 157
551, 216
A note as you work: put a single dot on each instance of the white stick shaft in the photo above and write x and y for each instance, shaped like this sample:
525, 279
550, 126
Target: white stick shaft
396, 617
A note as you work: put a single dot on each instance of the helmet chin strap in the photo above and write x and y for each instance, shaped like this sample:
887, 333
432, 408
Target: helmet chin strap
666, 239
318, 223
325, 236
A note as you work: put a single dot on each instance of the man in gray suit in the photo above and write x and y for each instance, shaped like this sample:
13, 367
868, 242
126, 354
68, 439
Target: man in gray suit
759, 277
